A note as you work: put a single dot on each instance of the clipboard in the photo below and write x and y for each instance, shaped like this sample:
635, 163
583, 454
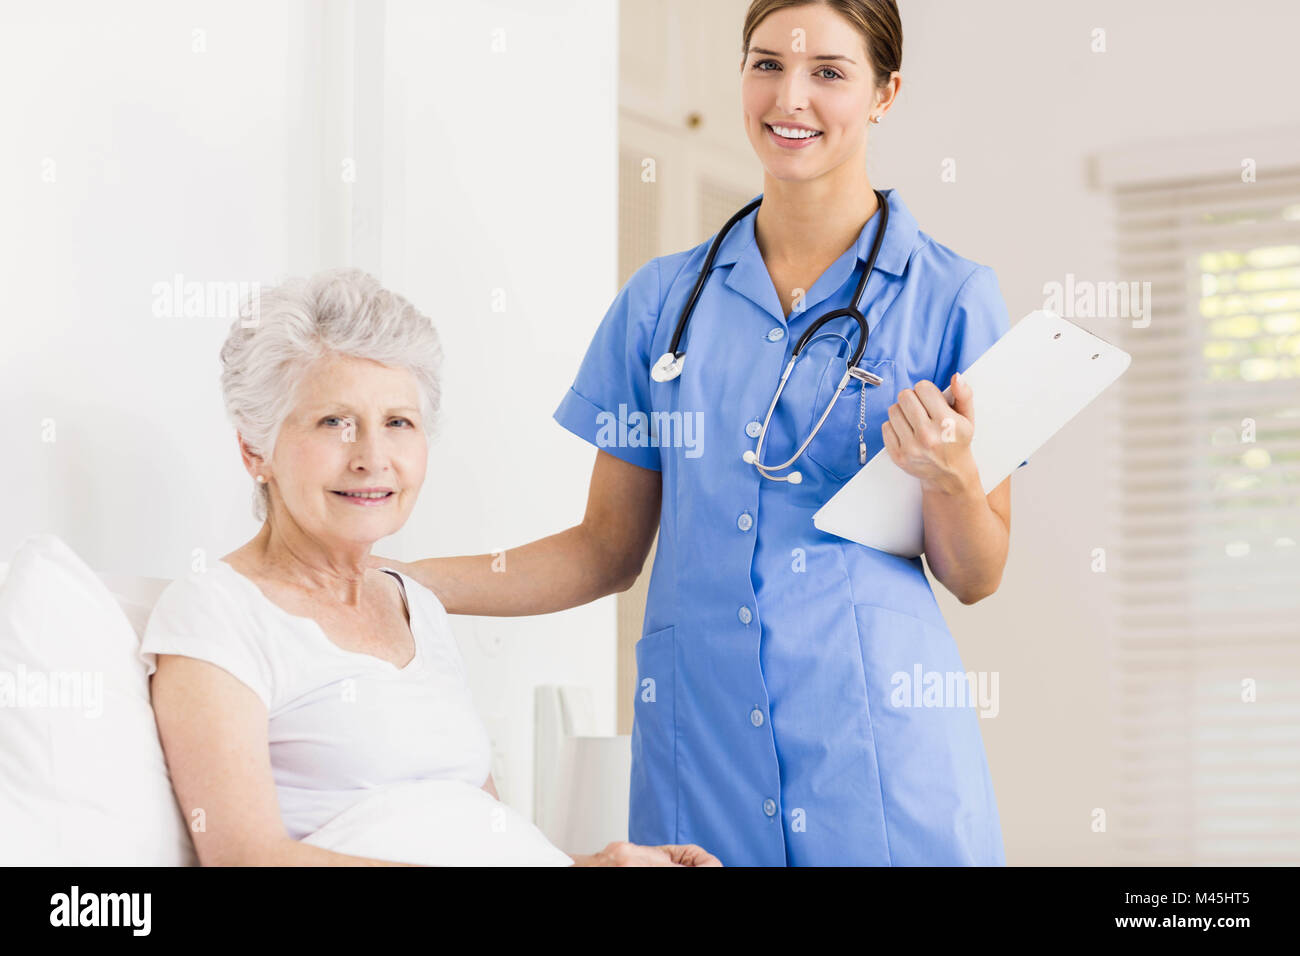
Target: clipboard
1027, 385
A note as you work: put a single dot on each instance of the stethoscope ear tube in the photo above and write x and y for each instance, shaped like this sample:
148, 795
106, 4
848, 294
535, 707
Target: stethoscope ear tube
855, 315
703, 277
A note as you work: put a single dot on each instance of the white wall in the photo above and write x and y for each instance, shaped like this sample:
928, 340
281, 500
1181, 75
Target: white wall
130, 157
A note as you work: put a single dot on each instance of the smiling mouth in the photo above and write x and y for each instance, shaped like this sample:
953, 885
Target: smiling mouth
792, 134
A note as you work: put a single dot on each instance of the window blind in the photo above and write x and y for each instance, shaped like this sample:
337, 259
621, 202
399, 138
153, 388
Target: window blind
1206, 572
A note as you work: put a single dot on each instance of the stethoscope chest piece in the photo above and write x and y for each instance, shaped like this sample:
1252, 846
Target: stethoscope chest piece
668, 367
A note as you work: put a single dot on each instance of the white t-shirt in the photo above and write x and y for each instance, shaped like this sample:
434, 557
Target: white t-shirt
340, 723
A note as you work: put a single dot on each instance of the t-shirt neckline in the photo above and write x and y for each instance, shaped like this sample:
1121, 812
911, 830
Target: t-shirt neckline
312, 624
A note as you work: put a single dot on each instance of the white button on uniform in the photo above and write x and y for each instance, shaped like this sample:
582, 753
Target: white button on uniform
756, 717
744, 522
776, 335
769, 807
753, 428
744, 615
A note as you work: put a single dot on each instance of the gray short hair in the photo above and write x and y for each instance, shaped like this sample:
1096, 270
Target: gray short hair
344, 311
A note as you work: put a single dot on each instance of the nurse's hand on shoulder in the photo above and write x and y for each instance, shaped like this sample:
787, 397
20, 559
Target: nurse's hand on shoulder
621, 853
930, 439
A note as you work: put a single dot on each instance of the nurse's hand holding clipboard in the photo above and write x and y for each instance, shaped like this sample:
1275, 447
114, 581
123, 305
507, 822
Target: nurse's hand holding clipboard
967, 533
928, 438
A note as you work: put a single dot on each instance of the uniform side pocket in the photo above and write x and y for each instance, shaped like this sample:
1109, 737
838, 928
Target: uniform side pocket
925, 708
652, 810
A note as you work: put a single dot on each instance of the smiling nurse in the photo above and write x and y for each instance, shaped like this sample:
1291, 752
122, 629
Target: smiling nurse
769, 725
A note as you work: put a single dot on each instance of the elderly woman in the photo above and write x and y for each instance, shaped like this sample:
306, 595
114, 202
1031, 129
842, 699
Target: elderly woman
292, 678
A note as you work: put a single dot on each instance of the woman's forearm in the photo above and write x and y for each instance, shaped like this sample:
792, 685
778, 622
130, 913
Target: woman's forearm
293, 853
966, 542
551, 574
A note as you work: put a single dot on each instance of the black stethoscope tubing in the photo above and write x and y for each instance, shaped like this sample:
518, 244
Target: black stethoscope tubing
853, 311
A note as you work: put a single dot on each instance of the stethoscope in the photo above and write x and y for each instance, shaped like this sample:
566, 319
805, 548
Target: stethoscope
669, 365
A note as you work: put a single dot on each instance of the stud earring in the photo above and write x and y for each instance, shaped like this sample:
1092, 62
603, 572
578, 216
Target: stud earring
261, 479
876, 120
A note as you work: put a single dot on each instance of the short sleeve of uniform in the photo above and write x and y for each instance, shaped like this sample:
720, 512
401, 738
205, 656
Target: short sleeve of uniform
196, 619
978, 318
613, 382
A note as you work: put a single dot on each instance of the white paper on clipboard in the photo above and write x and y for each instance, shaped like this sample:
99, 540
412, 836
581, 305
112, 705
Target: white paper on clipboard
1027, 386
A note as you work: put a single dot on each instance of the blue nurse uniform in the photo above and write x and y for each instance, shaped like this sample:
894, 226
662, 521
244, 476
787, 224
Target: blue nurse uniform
774, 724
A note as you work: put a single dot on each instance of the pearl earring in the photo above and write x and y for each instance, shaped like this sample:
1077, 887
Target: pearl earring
876, 120
261, 479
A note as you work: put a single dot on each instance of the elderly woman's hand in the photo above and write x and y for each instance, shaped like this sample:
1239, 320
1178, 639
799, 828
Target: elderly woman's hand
688, 854
621, 853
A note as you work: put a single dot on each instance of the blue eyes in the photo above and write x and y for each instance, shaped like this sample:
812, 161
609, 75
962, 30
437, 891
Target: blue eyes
336, 418
834, 74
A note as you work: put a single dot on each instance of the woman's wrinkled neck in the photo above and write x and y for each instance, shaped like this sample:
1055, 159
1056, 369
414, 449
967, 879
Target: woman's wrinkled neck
283, 552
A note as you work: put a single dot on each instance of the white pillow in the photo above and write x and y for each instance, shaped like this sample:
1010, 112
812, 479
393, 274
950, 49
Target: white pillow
437, 823
85, 780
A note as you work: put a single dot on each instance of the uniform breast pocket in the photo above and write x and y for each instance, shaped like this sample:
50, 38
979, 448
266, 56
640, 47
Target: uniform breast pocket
835, 449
